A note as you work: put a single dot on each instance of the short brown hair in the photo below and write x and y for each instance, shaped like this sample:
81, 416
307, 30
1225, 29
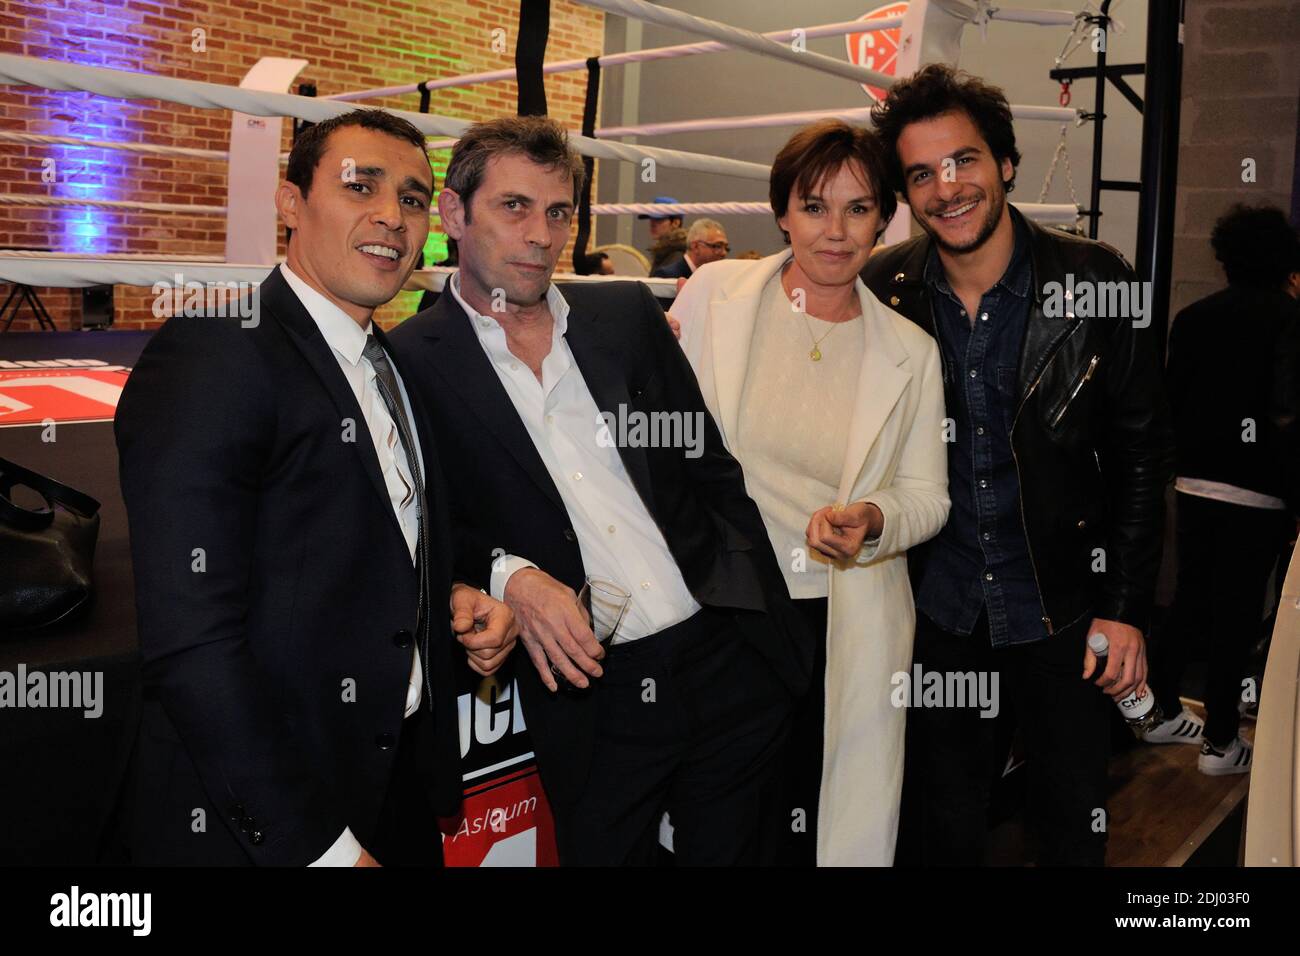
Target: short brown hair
309, 147
819, 150
540, 138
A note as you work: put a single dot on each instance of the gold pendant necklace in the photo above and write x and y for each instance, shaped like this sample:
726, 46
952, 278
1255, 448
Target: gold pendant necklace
816, 353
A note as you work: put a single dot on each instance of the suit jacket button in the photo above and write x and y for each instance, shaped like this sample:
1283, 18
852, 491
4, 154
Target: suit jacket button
1083, 524
384, 741
569, 535
256, 838
893, 300
402, 638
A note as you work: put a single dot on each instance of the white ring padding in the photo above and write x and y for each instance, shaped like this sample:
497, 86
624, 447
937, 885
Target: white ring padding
122, 84
129, 205
71, 271
744, 39
13, 136
982, 9
857, 114
1051, 213
619, 59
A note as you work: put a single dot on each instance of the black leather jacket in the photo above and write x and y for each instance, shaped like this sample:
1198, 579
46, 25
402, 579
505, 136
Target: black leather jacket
1091, 438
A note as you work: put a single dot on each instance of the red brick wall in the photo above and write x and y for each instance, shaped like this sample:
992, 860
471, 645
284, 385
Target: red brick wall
351, 44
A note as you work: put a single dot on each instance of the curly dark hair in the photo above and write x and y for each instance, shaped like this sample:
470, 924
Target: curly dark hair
819, 150
939, 89
1257, 246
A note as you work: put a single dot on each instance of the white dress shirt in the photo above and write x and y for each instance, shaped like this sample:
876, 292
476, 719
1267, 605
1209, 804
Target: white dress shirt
618, 538
347, 340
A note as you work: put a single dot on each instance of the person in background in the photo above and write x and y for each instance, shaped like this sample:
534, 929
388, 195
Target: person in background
833, 404
1231, 385
667, 237
599, 264
706, 241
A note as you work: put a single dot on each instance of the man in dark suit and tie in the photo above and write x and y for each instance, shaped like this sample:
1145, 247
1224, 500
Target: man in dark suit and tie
544, 397
291, 546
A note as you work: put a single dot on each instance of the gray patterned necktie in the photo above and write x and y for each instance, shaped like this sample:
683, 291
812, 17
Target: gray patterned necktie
391, 394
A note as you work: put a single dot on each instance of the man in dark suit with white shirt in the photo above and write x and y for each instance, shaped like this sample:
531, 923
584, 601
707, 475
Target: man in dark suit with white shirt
686, 708
290, 539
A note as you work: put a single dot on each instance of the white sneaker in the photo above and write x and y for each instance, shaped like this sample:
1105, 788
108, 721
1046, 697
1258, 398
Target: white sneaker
1235, 758
1184, 728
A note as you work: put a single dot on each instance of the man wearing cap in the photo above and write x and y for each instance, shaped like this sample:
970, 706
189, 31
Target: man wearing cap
668, 236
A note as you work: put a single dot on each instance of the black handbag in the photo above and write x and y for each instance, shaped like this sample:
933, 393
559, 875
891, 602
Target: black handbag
45, 556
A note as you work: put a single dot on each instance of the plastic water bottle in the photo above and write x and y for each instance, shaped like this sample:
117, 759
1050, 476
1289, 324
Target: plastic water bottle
1140, 712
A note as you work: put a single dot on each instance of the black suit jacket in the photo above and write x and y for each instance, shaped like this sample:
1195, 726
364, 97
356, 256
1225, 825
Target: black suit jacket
1232, 358
503, 499
276, 595
677, 269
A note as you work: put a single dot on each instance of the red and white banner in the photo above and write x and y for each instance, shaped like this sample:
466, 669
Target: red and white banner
877, 49
59, 390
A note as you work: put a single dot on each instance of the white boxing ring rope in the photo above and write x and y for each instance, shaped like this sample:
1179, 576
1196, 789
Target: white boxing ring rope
149, 149
978, 16
32, 71
67, 270
619, 59
1058, 214
742, 39
1058, 114
127, 205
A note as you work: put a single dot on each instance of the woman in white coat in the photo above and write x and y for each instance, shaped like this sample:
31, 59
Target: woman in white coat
833, 404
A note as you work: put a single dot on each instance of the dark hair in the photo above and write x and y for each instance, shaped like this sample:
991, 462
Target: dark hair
540, 138
1256, 245
592, 262
820, 150
308, 148
940, 89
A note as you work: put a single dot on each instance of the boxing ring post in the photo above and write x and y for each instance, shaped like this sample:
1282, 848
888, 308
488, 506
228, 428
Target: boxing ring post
1160, 121
254, 169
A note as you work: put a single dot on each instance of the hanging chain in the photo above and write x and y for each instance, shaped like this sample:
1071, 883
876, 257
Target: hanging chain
1059, 156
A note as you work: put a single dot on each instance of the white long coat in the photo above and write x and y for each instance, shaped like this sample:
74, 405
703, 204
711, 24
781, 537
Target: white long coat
897, 458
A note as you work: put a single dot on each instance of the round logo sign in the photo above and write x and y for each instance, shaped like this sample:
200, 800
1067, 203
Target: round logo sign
877, 49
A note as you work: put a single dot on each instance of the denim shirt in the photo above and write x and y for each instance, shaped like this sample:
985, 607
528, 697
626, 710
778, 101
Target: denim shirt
981, 557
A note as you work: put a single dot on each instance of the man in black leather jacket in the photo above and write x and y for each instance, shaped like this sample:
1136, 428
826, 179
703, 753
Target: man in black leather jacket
1059, 452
